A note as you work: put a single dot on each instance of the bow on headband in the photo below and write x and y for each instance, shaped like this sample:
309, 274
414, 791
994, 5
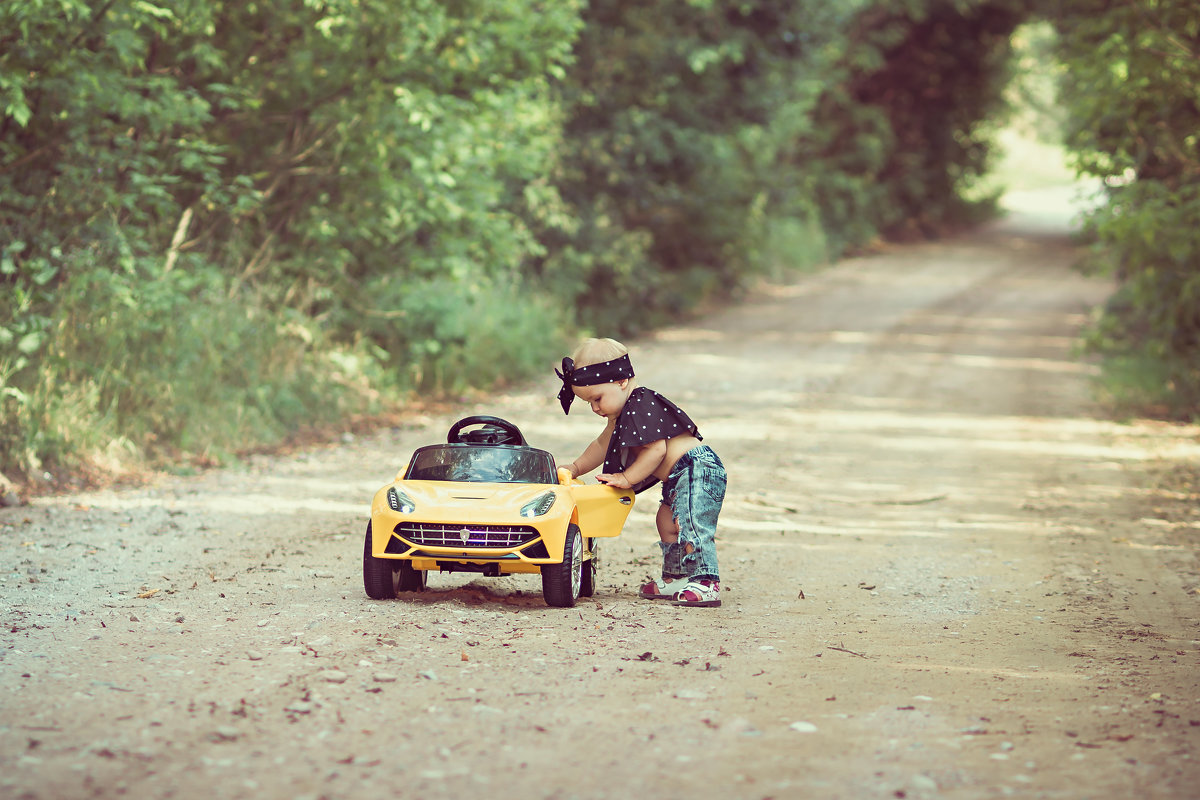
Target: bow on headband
591, 375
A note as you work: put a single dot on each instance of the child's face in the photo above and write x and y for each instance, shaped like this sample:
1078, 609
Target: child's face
605, 399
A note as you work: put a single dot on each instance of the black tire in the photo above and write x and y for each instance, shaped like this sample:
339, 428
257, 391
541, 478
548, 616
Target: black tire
591, 568
379, 574
411, 580
561, 582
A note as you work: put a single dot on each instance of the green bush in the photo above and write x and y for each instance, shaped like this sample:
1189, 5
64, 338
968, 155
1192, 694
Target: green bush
200, 202
172, 366
1132, 94
442, 337
678, 116
1149, 334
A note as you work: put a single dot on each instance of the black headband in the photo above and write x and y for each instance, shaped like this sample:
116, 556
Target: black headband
591, 375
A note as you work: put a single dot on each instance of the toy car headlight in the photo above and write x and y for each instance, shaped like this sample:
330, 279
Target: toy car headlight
538, 505
399, 501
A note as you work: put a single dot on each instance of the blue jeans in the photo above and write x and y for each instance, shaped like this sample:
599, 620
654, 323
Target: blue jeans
694, 491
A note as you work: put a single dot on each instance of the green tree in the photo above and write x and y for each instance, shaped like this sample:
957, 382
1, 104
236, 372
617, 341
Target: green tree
278, 209
1132, 93
678, 116
904, 128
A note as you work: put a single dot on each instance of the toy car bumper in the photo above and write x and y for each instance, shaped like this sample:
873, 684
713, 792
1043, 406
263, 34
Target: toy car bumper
466, 539
484, 523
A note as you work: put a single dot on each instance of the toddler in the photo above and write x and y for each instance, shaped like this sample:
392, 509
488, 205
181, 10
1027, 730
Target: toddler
647, 438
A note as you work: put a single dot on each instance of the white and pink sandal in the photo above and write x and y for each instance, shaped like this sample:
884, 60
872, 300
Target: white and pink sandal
701, 594
662, 588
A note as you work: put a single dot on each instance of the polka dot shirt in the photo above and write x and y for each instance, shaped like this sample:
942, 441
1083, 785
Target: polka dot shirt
646, 417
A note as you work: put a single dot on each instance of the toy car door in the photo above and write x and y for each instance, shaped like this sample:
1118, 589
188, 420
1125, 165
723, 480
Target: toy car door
602, 509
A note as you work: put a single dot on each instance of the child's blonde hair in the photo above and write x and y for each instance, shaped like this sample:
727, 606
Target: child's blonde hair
594, 351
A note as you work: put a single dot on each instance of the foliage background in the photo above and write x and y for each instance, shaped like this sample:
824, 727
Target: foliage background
1132, 91
223, 222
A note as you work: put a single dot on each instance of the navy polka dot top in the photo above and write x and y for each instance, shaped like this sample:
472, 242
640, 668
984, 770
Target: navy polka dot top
646, 417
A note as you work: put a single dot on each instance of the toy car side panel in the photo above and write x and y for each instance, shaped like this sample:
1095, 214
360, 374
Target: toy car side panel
602, 509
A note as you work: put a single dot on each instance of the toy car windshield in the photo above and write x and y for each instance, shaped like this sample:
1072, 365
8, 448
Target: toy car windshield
481, 464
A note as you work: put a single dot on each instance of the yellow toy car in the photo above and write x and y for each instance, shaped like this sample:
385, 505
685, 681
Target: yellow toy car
486, 502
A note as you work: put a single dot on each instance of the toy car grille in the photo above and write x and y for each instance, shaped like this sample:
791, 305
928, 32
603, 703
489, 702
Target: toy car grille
438, 535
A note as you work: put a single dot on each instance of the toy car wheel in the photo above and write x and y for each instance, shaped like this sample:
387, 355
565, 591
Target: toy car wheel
561, 582
591, 567
379, 577
411, 580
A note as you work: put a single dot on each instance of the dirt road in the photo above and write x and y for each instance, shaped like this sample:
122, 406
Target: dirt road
947, 575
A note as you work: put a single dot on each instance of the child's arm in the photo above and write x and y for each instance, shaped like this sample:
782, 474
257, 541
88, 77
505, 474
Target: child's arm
647, 459
593, 454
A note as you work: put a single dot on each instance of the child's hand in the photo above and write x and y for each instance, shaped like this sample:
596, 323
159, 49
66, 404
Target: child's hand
617, 481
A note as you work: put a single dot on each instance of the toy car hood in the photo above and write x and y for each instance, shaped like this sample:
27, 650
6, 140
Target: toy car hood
591, 507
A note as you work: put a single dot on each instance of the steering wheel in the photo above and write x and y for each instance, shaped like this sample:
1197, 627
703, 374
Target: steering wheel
507, 432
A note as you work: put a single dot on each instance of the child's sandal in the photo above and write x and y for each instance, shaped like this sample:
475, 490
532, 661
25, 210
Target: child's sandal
701, 594
662, 588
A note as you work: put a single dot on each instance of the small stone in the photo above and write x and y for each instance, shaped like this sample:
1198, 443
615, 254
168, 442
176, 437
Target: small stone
334, 676
299, 707
384, 677
134, 618
9, 496
427, 674
803, 727
741, 727
254, 655
922, 783
225, 733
